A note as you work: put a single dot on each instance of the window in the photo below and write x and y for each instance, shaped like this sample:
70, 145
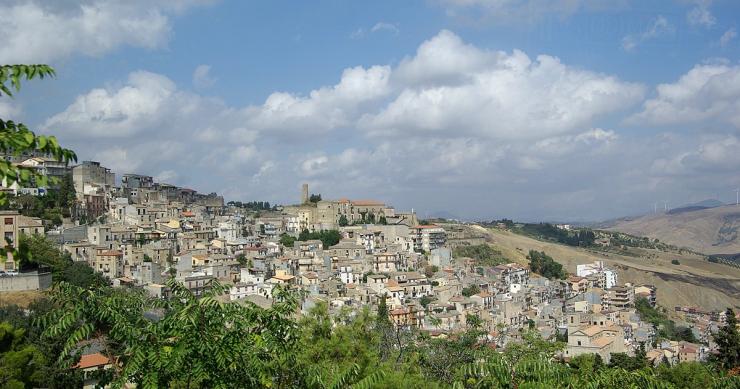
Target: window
8, 221
9, 237
579, 342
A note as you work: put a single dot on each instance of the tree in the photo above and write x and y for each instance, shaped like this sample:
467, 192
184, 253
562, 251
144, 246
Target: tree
484, 254
193, 342
728, 342
314, 198
675, 262
425, 300
328, 238
17, 139
242, 260
470, 290
20, 361
543, 264
343, 221
82, 275
382, 220
587, 363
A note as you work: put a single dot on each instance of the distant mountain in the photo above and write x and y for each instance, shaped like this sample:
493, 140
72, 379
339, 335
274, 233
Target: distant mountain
443, 215
709, 230
709, 203
704, 204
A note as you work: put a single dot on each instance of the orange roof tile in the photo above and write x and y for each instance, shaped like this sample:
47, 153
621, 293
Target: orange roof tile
92, 360
366, 202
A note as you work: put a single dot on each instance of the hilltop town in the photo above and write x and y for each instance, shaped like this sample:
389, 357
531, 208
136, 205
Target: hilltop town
348, 254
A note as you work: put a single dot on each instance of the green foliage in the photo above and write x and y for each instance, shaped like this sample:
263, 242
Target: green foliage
343, 222
425, 301
543, 264
314, 198
185, 341
686, 375
470, 290
675, 262
728, 343
382, 220
626, 362
545, 231
328, 238
484, 254
252, 205
41, 252
83, 276
242, 260
16, 138
19, 360
587, 363
666, 328
287, 240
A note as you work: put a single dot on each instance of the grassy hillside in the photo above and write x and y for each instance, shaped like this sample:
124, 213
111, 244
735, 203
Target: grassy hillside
694, 281
710, 231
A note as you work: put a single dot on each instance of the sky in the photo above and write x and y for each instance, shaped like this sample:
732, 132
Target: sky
550, 110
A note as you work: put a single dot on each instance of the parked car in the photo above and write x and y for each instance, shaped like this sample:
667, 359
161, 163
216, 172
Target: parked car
12, 272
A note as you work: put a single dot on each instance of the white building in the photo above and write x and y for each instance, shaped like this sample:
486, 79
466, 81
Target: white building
608, 276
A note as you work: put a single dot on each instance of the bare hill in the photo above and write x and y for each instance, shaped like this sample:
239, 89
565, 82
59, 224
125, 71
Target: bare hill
695, 282
708, 230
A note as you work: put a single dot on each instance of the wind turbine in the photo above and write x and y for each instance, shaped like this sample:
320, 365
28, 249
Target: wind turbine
737, 197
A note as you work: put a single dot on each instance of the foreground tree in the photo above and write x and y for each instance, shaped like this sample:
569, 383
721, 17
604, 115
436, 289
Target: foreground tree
17, 139
728, 342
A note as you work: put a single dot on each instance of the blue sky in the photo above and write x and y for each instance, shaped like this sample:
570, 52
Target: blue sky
536, 110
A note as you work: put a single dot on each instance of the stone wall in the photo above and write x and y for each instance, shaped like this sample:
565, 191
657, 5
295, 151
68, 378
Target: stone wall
25, 281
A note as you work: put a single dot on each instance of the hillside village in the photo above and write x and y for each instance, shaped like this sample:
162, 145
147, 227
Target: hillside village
348, 253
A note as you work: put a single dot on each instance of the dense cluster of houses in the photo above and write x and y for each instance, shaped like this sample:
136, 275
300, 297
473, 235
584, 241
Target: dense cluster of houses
140, 233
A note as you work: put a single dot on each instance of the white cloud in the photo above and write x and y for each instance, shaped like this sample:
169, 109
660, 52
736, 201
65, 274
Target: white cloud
9, 110
166, 176
715, 154
314, 165
658, 27
700, 15
323, 109
118, 113
727, 37
465, 128
384, 26
44, 31
202, 77
707, 93
451, 89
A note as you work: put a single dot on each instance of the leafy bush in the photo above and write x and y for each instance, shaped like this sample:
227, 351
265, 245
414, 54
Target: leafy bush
543, 264
484, 254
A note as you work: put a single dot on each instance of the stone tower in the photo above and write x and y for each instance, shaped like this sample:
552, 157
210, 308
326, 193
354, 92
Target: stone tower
304, 194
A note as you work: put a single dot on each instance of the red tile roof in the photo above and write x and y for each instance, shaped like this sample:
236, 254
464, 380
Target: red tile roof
366, 202
92, 360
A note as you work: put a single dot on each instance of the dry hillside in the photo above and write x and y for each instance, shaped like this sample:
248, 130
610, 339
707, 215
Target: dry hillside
694, 282
709, 231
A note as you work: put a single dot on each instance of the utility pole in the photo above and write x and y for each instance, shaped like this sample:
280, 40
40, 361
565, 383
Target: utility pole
737, 197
